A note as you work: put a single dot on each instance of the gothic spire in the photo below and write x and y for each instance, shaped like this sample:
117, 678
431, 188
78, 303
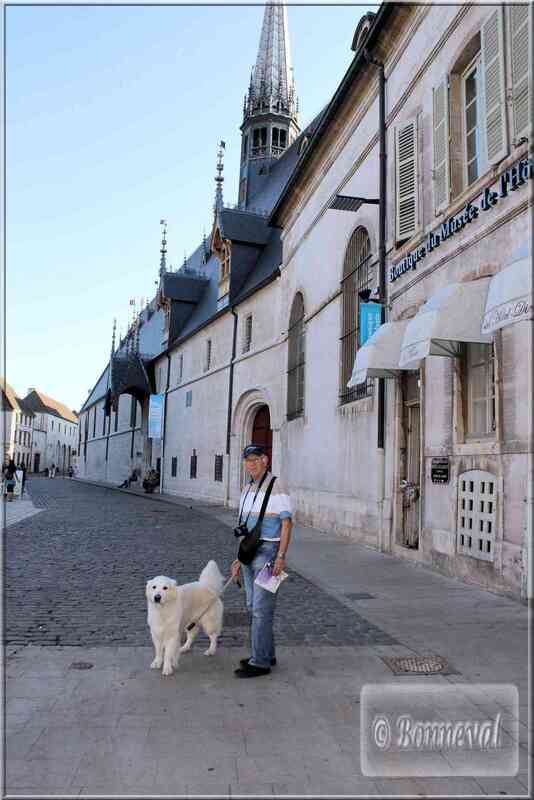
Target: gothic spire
219, 180
163, 251
272, 86
113, 335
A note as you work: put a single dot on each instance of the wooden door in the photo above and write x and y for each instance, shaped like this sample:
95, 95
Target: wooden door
412, 462
261, 430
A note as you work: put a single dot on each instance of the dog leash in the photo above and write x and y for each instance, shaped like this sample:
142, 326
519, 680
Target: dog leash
225, 587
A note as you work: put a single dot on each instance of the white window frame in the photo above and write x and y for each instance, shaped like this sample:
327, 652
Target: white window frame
482, 150
490, 395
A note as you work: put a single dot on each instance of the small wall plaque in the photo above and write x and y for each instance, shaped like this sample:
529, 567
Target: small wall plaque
440, 470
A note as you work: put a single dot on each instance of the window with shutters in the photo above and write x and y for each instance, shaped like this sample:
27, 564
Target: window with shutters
474, 140
218, 468
358, 273
94, 423
174, 466
296, 359
406, 180
193, 465
520, 27
247, 334
479, 390
180, 372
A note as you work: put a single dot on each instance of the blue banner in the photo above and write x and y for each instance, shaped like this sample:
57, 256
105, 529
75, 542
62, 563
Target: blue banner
370, 320
155, 416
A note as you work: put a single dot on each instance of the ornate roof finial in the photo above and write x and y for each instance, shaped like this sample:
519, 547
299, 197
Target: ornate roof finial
163, 251
205, 248
113, 335
219, 178
137, 330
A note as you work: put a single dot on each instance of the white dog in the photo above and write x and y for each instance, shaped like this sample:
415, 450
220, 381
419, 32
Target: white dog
171, 608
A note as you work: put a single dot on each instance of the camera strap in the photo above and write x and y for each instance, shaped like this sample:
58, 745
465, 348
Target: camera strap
253, 500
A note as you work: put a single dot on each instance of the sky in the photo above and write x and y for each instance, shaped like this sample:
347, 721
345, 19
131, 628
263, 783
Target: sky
113, 117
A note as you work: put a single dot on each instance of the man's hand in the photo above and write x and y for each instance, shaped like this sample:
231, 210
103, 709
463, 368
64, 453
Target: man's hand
279, 565
236, 568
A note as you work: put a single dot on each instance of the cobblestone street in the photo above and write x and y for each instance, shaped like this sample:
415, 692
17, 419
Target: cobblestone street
76, 573
85, 716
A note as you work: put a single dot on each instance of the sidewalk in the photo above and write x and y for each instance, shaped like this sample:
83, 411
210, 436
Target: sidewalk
120, 728
18, 509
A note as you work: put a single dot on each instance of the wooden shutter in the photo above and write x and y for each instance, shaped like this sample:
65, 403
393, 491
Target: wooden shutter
406, 179
520, 45
494, 112
440, 106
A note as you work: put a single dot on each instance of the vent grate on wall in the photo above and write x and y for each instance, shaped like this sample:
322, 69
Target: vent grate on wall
477, 514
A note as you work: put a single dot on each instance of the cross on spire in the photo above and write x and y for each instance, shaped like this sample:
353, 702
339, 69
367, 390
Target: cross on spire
219, 179
163, 251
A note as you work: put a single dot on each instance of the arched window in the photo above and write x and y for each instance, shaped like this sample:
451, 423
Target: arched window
296, 359
357, 275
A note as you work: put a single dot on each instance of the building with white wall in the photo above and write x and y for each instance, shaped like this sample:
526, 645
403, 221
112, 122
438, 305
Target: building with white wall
428, 453
55, 432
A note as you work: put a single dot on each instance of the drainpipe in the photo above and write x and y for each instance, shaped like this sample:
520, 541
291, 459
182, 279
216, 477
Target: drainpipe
381, 400
164, 424
230, 400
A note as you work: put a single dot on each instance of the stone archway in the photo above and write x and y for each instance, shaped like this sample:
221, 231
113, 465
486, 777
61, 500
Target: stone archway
254, 406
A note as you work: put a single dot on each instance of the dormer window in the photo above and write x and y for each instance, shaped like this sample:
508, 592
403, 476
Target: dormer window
225, 262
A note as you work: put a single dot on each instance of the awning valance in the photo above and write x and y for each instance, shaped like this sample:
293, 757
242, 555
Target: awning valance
509, 296
452, 315
379, 356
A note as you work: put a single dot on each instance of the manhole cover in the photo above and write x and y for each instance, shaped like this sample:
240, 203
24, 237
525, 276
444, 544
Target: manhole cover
417, 665
360, 596
81, 665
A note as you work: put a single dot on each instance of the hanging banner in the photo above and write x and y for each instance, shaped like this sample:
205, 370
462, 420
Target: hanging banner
155, 416
370, 320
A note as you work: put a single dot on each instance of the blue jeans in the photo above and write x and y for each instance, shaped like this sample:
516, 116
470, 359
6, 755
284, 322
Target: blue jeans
261, 605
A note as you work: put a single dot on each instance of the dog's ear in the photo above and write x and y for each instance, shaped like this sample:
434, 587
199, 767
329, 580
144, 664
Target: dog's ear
147, 589
173, 588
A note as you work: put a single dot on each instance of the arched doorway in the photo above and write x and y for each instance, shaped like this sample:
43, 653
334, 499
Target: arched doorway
261, 430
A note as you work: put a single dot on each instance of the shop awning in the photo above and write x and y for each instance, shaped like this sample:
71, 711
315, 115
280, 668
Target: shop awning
452, 315
509, 295
379, 356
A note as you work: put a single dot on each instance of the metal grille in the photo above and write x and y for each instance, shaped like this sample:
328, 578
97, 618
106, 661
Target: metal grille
207, 364
357, 275
247, 336
193, 465
218, 468
477, 514
296, 359
417, 665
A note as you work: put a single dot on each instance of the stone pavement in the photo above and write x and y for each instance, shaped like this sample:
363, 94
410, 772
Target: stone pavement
121, 728
17, 510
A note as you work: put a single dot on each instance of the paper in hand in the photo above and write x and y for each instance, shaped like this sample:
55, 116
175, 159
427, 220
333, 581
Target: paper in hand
267, 580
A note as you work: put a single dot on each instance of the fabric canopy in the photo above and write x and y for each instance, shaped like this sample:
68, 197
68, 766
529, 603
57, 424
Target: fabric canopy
452, 315
509, 296
379, 356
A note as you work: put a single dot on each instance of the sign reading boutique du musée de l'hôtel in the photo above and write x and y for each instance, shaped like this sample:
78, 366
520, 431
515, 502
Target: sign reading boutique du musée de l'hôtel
510, 180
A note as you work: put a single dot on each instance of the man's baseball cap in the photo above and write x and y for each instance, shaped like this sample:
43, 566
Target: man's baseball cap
254, 450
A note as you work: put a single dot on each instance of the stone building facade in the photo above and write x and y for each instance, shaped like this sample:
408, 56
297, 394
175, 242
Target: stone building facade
416, 440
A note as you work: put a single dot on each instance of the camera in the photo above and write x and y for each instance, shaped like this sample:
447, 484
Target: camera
241, 530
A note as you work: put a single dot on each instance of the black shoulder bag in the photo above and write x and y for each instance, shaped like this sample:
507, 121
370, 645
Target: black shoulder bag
251, 540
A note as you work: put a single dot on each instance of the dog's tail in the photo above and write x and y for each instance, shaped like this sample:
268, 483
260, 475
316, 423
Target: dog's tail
211, 577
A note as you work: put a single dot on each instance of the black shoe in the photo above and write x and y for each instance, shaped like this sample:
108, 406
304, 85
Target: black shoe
244, 661
251, 671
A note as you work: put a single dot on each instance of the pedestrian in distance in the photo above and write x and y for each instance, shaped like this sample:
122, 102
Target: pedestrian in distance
10, 479
275, 535
22, 469
53, 471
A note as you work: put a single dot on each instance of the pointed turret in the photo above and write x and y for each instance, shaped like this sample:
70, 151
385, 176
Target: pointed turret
270, 109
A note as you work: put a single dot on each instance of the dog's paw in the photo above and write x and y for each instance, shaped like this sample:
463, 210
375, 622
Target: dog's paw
167, 669
185, 648
156, 664
209, 652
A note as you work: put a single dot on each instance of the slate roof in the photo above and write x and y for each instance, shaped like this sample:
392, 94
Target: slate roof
25, 407
41, 403
194, 288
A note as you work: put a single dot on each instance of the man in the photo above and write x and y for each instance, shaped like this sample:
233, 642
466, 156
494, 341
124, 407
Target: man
22, 469
275, 537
